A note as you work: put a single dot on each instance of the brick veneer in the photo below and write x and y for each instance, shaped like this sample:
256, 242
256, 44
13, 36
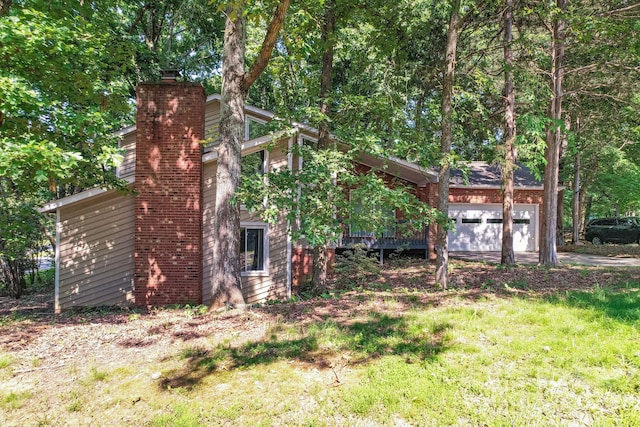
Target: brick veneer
168, 223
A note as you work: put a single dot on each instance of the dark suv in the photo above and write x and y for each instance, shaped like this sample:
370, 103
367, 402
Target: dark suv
613, 230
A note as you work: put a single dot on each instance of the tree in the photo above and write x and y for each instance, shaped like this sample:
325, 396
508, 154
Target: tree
61, 96
442, 237
177, 34
235, 86
548, 254
508, 256
321, 251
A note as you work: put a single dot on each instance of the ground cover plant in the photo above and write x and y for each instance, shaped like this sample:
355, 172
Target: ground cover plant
523, 346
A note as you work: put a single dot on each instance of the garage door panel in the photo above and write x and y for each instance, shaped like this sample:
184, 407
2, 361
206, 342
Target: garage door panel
480, 228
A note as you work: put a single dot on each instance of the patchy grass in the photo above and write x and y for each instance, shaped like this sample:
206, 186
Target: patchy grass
525, 346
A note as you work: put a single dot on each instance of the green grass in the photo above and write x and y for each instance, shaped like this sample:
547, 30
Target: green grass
573, 359
5, 360
566, 359
14, 400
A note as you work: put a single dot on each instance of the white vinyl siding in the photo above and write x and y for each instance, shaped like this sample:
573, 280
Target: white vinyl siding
96, 252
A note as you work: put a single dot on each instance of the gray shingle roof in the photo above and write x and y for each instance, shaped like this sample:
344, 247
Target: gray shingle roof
482, 174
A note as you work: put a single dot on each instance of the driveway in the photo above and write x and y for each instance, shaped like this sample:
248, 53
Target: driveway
563, 257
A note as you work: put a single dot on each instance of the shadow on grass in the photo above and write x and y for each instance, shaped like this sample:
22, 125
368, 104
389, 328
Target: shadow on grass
614, 304
322, 345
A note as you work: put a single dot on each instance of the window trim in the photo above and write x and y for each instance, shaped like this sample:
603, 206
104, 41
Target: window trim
252, 225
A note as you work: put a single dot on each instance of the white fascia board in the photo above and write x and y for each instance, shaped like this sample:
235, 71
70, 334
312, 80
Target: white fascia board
56, 204
413, 166
125, 131
289, 248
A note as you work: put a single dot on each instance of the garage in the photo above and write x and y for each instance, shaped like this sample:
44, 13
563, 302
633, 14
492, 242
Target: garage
479, 227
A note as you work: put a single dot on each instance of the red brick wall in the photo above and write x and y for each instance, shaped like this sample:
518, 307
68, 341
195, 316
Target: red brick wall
302, 265
168, 224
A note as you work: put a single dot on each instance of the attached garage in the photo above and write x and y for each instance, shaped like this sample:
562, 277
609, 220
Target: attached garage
478, 227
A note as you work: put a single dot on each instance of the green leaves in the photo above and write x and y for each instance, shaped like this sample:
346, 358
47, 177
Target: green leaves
329, 194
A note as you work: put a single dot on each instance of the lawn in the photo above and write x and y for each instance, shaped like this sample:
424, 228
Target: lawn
529, 346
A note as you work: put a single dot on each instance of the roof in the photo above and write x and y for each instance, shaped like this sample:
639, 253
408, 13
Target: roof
482, 174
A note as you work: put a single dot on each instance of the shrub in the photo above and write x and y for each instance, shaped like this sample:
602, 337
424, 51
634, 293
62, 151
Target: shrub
356, 267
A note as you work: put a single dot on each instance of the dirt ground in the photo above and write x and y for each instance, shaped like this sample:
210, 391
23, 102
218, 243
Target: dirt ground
41, 343
30, 330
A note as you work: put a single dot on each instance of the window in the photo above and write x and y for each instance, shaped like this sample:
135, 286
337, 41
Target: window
389, 220
309, 142
253, 164
304, 145
494, 220
471, 220
521, 221
254, 129
253, 244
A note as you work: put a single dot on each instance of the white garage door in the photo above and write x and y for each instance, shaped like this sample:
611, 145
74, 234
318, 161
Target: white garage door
479, 227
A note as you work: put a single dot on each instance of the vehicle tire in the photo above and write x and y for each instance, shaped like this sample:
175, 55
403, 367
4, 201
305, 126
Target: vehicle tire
596, 240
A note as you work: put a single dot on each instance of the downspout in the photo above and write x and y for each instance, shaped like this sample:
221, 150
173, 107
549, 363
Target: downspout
289, 248
56, 292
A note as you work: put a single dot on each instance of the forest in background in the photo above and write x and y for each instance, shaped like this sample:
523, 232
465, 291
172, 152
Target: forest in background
70, 68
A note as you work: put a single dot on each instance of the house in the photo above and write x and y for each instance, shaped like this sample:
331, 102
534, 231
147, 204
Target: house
154, 247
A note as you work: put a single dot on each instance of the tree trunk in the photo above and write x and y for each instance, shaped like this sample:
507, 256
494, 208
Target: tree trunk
320, 268
575, 214
442, 235
508, 256
226, 247
586, 210
227, 285
548, 254
5, 5
321, 252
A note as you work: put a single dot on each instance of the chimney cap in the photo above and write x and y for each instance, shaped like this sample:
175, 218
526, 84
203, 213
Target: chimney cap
170, 74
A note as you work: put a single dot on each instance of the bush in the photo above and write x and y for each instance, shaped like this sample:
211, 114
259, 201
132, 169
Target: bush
356, 267
20, 241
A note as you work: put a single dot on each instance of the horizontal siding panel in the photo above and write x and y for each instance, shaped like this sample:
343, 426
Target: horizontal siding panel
100, 296
77, 236
111, 264
256, 290
113, 199
128, 166
96, 252
208, 202
211, 122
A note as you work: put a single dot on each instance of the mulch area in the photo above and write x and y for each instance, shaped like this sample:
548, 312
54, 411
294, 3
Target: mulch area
31, 332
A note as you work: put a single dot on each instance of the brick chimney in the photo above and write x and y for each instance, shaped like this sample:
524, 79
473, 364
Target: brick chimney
168, 224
